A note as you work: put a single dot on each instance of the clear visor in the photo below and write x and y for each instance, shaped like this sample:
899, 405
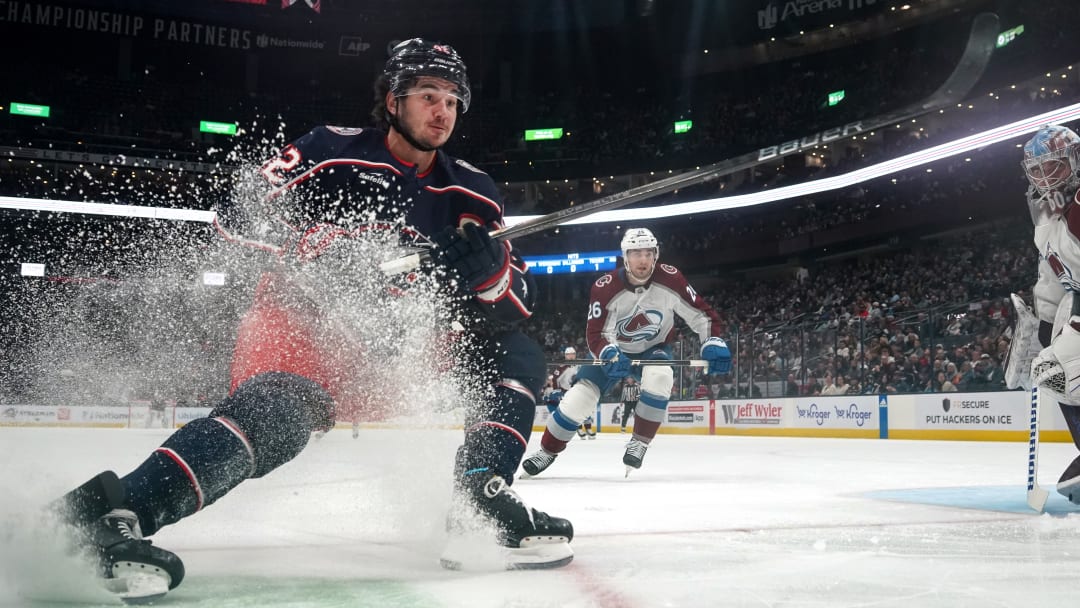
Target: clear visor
433, 94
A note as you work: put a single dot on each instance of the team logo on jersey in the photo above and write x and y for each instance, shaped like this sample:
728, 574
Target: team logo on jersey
1063, 272
468, 166
344, 130
604, 280
642, 327
668, 269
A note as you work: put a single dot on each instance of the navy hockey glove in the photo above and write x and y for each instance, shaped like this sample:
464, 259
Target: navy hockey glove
716, 352
480, 260
614, 363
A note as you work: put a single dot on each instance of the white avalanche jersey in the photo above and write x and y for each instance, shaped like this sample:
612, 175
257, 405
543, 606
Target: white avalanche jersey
637, 318
1058, 243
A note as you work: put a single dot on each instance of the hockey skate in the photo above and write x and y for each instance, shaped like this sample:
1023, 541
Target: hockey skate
635, 453
1069, 484
530, 539
536, 464
581, 432
130, 566
591, 433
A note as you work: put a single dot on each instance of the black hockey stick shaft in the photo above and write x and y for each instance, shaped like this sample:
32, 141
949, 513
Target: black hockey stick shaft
968, 71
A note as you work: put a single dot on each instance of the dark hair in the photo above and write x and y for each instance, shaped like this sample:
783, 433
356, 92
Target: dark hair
379, 111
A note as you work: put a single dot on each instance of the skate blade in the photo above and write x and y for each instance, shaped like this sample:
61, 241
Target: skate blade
538, 556
137, 588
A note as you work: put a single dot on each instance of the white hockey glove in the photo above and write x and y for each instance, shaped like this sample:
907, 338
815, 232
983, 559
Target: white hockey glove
1057, 367
1023, 348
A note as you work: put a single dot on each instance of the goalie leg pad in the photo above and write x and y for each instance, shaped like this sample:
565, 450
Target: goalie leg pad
1069, 484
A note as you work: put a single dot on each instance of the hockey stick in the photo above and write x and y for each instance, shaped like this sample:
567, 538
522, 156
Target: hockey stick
669, 362
1036, 495
969, 69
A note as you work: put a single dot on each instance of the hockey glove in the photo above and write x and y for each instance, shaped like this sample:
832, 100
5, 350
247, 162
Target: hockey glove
481, 261
716, 352
1057, 367
614, 363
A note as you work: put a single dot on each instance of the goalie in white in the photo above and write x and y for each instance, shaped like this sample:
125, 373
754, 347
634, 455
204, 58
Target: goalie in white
1045, 351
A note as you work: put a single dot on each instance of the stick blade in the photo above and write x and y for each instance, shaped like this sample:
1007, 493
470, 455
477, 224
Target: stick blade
1036, 499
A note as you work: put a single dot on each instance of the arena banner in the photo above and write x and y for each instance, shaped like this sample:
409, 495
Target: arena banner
844, 412
970, 411
180, 23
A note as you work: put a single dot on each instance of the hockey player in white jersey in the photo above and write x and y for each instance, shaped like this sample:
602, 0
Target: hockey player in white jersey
564, 376
632, 313
1050, 339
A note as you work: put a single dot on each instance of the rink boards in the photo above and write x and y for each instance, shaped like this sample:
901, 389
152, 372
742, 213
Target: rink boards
994, 416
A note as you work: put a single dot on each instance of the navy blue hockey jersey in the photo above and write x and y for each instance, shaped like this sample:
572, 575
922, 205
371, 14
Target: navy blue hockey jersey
348, 177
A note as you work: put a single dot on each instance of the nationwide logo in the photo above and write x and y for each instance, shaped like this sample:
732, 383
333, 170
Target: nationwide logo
264, 41
752, 413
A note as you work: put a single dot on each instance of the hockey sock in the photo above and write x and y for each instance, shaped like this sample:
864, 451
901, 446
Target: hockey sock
197, 465
497, 440
552, 444
645, 430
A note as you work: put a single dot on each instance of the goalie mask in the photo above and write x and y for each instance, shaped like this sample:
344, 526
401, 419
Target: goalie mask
1051, 164
640, 265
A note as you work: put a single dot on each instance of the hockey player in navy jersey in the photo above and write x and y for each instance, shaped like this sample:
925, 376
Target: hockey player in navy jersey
632, 313
329, 186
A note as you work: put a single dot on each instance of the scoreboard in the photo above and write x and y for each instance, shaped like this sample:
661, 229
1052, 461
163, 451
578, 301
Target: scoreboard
592, 261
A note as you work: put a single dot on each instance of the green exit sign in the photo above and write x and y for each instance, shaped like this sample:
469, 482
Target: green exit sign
29, 109
220, 128
1009, 35
541, 134
682, 126
835, 97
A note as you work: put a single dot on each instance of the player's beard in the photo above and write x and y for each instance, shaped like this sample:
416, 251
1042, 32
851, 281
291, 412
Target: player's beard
420, 142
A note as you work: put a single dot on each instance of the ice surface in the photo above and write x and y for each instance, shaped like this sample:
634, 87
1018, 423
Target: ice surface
707, 521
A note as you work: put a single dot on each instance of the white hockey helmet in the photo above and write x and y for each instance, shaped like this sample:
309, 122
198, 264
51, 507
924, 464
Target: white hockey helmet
569, 351
1052, 159
639, 238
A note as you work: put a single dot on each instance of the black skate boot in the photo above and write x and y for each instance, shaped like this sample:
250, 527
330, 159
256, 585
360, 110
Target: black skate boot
531, 539
635, 453
109, 534
536, 464
1069, 484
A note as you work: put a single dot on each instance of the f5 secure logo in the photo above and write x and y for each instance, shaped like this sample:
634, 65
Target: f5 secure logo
352, 46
